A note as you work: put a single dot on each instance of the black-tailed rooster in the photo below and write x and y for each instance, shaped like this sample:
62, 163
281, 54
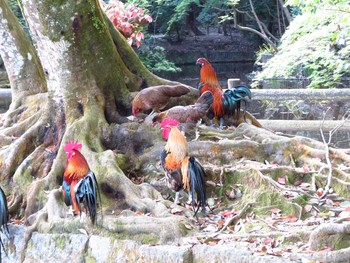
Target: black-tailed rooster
155, 98
79, 182
226, 102
182, 171
4, 218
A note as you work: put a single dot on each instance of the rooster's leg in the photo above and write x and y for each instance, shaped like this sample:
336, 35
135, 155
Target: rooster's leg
190, 197
177, 198
221, 123
74, 201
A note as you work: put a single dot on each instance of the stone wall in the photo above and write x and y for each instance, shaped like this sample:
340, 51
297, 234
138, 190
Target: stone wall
91, 248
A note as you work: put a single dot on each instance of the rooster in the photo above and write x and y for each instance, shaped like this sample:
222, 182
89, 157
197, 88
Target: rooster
182, 171
79, 182
187, 114
4, 218
226, 103
156, 98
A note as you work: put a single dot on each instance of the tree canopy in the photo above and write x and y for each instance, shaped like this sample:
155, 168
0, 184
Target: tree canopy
315, 47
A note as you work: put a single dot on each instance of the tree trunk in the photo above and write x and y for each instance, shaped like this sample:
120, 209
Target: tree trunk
74, 86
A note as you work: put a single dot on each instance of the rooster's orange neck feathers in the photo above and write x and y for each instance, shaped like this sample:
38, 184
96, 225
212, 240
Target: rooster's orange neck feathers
209, 79
77, 166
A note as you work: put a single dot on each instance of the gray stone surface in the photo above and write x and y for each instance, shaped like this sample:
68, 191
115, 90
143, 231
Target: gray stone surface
83, 248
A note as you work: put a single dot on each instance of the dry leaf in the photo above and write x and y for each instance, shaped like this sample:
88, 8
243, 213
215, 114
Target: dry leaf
290, 218
307, 208
281, 180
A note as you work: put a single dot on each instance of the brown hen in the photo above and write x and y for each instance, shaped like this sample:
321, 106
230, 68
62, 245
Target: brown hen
156, 97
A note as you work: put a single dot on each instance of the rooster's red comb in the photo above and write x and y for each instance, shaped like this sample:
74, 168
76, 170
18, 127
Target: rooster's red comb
70, 146
169, 122
201, 61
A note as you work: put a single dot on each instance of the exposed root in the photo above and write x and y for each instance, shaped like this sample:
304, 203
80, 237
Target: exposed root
23, 109
21, 127
13, 155
324, 236
15, 202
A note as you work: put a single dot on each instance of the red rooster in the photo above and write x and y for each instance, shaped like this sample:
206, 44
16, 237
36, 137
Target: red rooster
182, 171
226, 102
187, 114
156, 97
79, 182
4, 218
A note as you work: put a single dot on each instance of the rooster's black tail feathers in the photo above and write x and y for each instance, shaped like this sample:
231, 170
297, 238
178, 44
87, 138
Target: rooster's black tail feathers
86, 192
197, 183
4, 218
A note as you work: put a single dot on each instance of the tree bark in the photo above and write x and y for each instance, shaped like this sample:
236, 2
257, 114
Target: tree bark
21, 61
79, 76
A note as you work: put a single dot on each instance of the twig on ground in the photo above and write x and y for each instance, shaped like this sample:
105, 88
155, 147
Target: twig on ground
269, 225
326, 144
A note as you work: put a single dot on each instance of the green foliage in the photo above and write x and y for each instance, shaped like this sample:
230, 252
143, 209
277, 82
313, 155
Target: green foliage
155, 60
311, 6
315, 46
263, 49
181, 8
16, 9
213, 11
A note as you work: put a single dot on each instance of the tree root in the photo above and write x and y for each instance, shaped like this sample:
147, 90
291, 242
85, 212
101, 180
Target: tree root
22, 109
325, 236
234, 220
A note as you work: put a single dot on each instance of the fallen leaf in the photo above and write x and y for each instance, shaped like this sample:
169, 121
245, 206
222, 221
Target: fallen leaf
50, 148
281, 180
189, 227
255, 229
210, 228
17, 222
211, 201
297, 183
227, 214
220, 223
345, 204
176, 210
276, 211
83, 231
212, 241
307, 208
209, 182
345, 213
290, 218
305, 185
191, 240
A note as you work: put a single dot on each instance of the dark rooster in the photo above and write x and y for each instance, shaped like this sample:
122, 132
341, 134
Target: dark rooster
156, 98
182, 171
226, 103
79, 182
4, 218
187, 114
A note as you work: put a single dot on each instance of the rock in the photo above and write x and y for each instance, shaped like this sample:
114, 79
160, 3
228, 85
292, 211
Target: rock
230, 254
56, 248
99, 248
166, 254
14, 244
